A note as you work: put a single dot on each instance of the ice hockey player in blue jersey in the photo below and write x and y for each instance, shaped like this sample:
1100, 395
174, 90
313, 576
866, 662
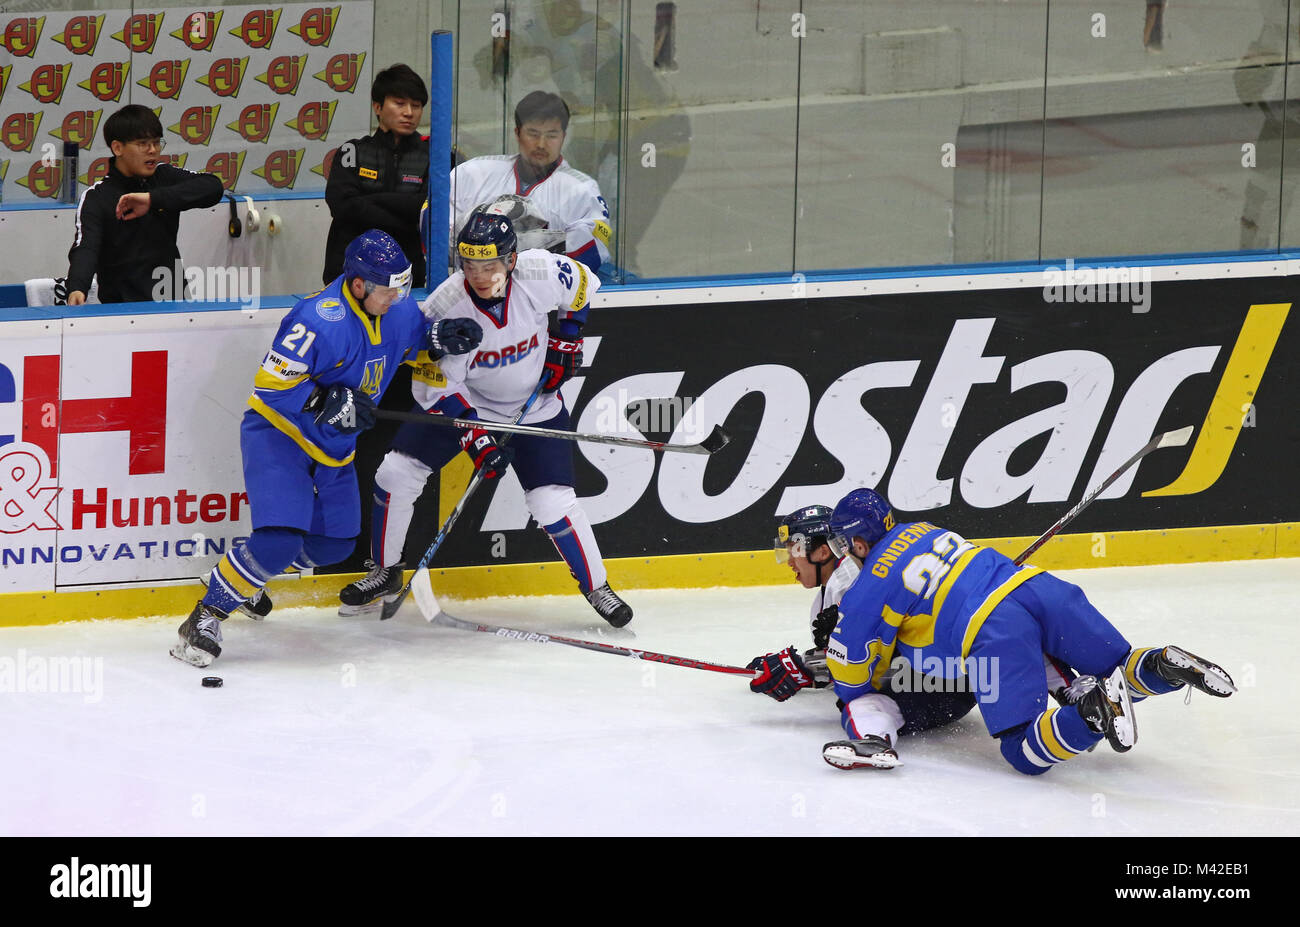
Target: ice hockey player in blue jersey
954, 606
334, 353
911, 705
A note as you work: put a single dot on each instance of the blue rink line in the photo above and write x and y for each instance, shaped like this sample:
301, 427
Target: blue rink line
12, 296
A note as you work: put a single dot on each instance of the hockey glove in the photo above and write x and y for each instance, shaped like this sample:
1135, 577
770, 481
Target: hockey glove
453, 336
823, 625
779, 675
489, 459
345, 410
563, 358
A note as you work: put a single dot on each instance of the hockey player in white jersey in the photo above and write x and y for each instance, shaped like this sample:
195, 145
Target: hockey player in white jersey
802, 540
568, 199
510, 295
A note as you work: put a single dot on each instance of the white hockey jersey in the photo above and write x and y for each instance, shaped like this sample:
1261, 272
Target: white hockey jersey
501, 373
840, 580
568, 198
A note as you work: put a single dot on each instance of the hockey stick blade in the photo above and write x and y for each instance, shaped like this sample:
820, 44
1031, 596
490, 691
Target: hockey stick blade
1176, 438
712, 443
449, 621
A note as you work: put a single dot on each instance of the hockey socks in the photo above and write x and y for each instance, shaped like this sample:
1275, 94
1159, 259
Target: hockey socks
1056, 735
1140, 672
250, 566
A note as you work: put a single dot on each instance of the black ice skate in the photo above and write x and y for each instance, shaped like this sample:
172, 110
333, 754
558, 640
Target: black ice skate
1178, 667
613, 609
367, 595
1107, 708
200, 635
870, 752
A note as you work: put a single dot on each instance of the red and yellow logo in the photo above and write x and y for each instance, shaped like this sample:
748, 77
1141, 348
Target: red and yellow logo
227, 165
81, 34
4, 79
96, 172
316, 27
224, 76
140, 32
44, 179
258, 28
79, 126
21, 35
284, 74
197, 123
176, 158
199, 29
313, 120
18, 131
166, 78
341, 71
281, 167
48, 82
256, 121
324, 167
107, 80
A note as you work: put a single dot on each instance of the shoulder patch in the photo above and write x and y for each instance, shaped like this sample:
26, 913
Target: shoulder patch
368, 173
331, 310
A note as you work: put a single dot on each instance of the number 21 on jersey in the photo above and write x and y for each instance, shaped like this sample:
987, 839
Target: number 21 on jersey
295, 335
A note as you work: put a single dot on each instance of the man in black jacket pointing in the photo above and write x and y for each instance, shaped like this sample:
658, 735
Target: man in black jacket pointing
127, 222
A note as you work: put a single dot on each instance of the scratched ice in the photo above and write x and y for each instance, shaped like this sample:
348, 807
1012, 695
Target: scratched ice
349, 726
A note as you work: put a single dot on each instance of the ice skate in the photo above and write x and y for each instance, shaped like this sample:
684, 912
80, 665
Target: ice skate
367, 595
870, 752
1178, 667
610, 607
1107, 708
200, 636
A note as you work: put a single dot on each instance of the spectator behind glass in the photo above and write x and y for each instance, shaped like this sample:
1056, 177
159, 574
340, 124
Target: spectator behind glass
380, 181
127, 222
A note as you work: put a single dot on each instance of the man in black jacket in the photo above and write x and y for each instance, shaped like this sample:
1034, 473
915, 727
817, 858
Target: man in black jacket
127, 222
380, 181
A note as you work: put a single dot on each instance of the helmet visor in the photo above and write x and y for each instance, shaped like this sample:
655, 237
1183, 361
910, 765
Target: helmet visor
789, 545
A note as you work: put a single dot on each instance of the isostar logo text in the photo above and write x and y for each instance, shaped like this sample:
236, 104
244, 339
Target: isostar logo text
107, 80
196, 124
227, 166
166, 78
341, 71
224, 76
258, 28
313, 120
48, 82
284, 74
81, 34
140, 32
199, 30
281, 167
48, 413
256, 121
316, 27
21, 35
79, 126
18, 131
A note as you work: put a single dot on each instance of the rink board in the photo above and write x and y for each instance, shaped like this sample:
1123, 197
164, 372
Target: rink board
988, 403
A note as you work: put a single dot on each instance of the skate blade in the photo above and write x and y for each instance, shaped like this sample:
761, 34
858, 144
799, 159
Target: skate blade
1213, 680
370, 608
187, 653
1122, 734
843, 756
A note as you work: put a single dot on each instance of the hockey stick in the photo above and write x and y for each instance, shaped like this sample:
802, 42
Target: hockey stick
1176, 438
442, 618
421, 568
715, 441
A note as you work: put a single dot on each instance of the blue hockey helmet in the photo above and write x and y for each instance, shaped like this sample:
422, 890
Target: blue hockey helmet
801, 531
486, 237
864, 514
376, 258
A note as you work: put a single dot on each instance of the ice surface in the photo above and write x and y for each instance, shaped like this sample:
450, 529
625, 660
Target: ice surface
349, 726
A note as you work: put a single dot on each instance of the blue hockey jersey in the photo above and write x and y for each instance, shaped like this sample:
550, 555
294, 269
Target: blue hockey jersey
328, 339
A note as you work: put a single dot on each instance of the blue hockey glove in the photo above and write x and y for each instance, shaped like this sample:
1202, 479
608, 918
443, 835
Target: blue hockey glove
779, 675
345, 410
453, 336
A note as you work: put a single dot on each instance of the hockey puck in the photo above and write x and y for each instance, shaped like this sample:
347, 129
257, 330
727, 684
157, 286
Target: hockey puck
212, 682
